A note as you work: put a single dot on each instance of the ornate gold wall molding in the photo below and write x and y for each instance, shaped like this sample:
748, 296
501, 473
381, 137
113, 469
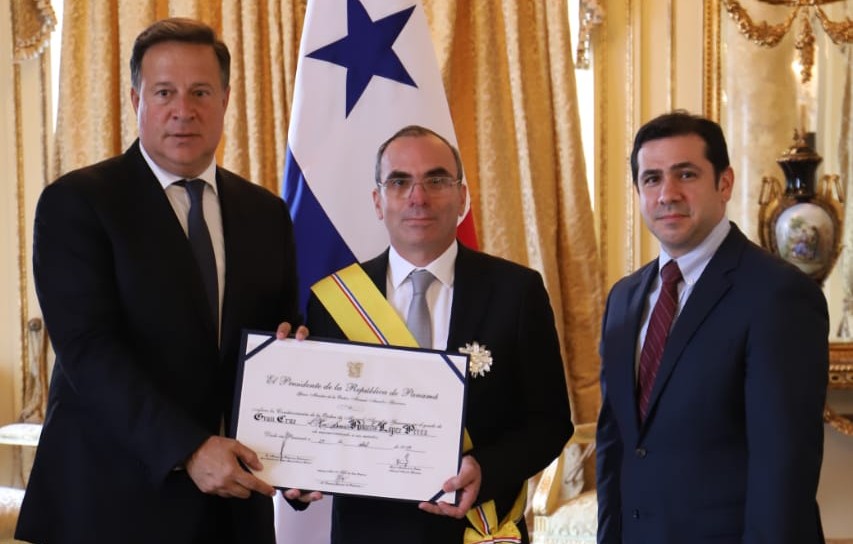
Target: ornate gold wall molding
632, 240
763, 34
671, 44
840, 377
769, 35
841, 365
712, 95
601, 132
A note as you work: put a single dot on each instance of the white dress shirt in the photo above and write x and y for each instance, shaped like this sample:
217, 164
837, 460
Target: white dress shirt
180, 201
439, 295
691, 264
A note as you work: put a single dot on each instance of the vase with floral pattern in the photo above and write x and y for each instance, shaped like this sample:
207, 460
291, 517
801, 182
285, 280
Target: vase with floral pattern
802, 221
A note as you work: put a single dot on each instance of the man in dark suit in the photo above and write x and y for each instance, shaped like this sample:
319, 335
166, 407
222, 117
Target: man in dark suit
517, 412
721, 438
146, 337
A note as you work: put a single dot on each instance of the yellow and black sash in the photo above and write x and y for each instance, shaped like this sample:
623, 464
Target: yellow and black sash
364, 315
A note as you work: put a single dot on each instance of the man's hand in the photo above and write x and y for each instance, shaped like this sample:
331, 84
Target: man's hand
215, 469
468, 482
303, 496
284, 330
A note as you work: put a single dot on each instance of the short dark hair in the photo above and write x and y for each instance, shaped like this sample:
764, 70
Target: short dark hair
416, 131
681, 123
179, 29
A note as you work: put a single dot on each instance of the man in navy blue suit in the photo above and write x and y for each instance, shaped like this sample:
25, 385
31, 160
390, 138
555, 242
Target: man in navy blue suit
722, 440
146, 353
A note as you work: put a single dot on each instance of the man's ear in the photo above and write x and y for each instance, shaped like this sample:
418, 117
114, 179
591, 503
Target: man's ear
463, 198
377, 204
725, 183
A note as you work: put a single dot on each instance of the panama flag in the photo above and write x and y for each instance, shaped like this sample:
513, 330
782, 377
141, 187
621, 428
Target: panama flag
366, 69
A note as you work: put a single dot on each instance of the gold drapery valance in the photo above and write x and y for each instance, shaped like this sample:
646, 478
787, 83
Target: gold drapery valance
32, 23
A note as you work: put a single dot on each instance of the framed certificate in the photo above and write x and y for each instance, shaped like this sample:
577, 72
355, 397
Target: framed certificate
347, 418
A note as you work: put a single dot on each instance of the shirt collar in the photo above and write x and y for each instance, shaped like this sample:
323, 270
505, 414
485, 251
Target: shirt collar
443, 267
167, 178
693, 263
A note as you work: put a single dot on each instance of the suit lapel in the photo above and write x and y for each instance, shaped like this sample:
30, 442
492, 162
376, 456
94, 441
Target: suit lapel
471, 295
624, 374
148, 196
377, 270
162, 225
238, 272
707, 293
234, 266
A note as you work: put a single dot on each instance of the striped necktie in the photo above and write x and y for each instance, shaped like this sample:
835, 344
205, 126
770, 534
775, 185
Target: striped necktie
656, 334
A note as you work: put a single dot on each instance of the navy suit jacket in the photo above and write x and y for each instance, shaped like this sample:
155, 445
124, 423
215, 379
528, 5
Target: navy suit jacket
732, 445
517, 414
139, 381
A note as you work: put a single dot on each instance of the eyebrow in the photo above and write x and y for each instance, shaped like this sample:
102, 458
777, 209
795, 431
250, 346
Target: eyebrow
672, 168
438, 171
196, 85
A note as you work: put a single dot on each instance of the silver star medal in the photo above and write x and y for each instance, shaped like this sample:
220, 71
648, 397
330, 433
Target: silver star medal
481, 359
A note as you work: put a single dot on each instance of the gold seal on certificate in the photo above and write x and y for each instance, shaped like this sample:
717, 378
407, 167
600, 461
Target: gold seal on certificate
345, 418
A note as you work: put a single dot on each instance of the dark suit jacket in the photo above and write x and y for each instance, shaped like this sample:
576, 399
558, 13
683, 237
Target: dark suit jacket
731, 449
517, 414
139, 382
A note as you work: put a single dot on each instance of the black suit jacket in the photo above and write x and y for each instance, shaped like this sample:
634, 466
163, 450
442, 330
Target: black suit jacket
139, 382
517, 414
731, 449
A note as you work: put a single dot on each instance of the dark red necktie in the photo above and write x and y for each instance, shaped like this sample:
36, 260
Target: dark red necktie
657, 333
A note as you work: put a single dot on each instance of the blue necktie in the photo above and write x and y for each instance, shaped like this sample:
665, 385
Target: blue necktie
201, 244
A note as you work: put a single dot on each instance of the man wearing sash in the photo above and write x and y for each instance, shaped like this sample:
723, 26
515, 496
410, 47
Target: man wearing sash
518, 416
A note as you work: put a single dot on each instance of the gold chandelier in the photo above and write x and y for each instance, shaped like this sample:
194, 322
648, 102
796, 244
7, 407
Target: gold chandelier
768, 35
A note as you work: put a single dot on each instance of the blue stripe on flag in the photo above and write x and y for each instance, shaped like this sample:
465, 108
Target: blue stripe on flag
320, 249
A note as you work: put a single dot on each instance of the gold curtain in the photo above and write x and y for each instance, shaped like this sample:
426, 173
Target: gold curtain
508, 72
95, 118
26, 133
264, 40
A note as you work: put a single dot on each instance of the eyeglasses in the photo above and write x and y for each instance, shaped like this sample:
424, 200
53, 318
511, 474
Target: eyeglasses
403, 187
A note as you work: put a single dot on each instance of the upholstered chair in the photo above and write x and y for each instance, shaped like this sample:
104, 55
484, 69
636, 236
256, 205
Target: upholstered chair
562, 512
